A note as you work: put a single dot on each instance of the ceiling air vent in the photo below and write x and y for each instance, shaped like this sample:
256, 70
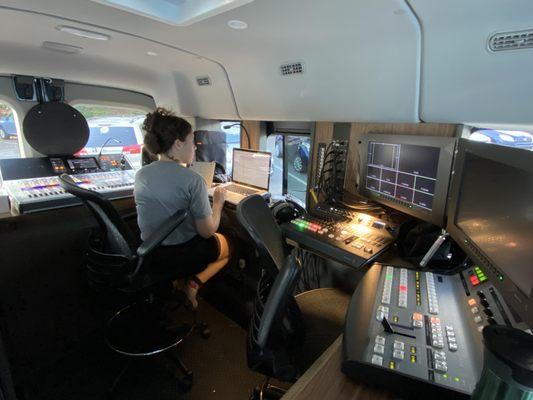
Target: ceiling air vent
292, 68
203, 81
511, 40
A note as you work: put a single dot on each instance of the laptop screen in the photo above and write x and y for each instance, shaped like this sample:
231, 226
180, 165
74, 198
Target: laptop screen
251, 168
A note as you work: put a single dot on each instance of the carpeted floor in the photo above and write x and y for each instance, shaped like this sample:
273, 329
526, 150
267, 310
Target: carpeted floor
218, 363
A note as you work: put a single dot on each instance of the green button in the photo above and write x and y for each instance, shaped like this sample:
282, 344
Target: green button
456, 379
445, 376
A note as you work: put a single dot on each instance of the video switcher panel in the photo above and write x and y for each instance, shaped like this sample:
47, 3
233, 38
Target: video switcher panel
419, 333
350, 238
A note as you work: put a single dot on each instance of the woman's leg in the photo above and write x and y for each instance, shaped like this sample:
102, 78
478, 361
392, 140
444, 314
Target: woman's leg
221, 261
193, 285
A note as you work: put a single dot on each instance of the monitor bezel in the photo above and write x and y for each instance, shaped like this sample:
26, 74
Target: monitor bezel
447, 146
517, 158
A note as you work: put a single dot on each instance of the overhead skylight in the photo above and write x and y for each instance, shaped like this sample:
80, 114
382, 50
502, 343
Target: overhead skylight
175, 12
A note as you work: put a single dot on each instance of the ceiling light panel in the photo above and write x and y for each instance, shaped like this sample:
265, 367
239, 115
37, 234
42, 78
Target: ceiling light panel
175, 12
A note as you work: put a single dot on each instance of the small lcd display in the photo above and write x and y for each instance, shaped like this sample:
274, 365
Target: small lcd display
82, 164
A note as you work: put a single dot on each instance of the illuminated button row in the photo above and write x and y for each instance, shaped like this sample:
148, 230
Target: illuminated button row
437, 338
439, 361
432, 294
403, 289
387, 286
477, 276
450, 335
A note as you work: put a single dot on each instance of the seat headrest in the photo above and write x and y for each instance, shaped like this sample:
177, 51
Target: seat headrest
55, 129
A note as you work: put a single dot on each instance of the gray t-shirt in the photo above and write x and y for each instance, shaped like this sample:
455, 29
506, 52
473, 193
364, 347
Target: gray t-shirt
161, 189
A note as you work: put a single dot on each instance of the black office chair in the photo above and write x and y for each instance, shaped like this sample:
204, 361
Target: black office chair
314, 318
117, 261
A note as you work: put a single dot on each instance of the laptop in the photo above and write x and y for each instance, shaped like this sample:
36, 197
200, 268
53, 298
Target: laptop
250, 175
206, 170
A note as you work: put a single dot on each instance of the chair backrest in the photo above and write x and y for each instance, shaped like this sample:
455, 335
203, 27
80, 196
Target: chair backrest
117, 237
276, 327
211, 146
255, 216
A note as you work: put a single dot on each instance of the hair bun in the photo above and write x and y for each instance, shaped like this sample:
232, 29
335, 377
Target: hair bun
162, 128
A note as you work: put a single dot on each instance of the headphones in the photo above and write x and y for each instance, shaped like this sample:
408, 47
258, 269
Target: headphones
286, 210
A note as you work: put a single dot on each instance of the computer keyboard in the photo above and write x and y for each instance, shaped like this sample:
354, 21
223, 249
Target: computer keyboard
240, 189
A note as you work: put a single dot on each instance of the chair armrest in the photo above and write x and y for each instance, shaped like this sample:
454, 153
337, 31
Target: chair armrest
278, 297
161, 233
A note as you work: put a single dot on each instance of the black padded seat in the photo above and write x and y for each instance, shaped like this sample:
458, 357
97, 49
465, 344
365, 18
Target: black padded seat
323, 311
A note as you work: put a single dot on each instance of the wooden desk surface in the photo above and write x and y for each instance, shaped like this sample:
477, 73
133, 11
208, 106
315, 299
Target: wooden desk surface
324, 381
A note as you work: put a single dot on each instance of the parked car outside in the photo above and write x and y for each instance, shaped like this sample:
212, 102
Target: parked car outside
519, 139
301, 160
8, 129
301, 155
114, 135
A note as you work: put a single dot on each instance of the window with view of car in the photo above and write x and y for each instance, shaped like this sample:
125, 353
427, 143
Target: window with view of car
290, 164
9, 144
233, 140
114, 130
517, 139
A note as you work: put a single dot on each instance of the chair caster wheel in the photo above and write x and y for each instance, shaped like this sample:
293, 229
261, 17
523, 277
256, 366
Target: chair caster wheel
206, 333
255, 394
185, 384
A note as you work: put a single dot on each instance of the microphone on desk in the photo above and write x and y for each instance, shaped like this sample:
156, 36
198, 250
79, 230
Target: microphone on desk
105, 143
243, 127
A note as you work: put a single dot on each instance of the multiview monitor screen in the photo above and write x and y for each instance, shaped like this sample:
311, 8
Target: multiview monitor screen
407, 172
410, 173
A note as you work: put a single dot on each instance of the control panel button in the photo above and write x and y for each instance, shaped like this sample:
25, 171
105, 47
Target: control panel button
398, 354
377, 360
441, 366
379, 348
399, 345
478, 319
474, 310
380, 340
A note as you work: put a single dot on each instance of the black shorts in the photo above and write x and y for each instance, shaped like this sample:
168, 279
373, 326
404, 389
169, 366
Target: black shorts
190, 257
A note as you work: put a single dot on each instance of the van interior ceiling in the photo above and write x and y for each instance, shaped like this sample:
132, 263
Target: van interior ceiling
377, 164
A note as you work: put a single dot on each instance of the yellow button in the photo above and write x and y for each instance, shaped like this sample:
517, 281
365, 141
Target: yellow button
413, 350
392, 365
413, 358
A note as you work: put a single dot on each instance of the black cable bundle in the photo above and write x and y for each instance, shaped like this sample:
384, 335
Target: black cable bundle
311, 266
334, 158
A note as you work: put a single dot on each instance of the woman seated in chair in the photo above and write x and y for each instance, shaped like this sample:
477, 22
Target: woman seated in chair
166, 186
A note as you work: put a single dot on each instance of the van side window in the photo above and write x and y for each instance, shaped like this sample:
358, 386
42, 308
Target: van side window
9, 143
292, 153
114, 130
503, 137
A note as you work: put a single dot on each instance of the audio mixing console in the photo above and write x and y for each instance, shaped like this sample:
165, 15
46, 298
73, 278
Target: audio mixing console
348, 237
419, 333
33, 184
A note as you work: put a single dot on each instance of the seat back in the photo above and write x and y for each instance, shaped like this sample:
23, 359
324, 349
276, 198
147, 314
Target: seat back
211, 146
255, 217
117, 238
276, 327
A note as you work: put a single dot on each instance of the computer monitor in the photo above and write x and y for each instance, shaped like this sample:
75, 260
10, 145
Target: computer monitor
491, 217
408, 173
252, 168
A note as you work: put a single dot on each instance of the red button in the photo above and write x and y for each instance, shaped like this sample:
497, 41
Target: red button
403, 288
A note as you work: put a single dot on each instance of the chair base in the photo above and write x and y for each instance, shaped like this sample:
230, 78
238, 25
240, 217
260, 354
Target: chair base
184, 382
267, 391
